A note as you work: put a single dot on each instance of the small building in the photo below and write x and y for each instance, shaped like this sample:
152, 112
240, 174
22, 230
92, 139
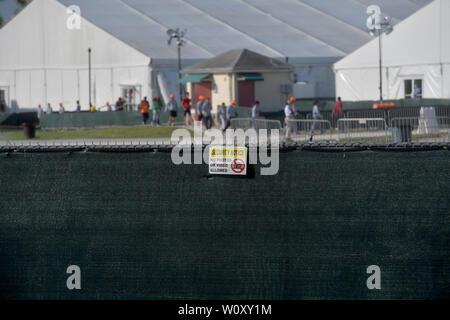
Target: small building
241, 75
416, 60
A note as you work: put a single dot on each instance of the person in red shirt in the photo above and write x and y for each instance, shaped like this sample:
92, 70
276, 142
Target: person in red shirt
337, 111
187, 109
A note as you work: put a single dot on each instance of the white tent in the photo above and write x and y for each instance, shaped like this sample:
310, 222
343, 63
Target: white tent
416, 53
44, 61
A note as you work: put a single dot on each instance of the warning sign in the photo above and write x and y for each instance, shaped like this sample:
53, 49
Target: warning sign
228, 160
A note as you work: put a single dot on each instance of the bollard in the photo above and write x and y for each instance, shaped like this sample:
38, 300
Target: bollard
29, 130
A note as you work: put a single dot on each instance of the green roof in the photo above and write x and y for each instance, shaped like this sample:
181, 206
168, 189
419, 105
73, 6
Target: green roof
194, 78
250, 77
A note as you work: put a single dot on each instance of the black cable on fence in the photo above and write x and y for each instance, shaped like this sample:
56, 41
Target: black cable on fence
315, 147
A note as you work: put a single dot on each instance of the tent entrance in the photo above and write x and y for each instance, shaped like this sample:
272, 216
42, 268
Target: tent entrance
4, 98
132, 96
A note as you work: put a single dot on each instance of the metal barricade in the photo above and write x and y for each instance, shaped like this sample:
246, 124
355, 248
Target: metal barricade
362, 130
420, 129
308, 130
249, 123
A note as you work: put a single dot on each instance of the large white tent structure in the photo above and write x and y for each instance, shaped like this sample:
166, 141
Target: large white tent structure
45, 61
415, 55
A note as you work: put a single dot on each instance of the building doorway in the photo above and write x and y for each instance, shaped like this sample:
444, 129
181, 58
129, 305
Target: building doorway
201, 89
246, 93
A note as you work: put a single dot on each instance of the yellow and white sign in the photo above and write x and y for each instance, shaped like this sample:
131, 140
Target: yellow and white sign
228, 160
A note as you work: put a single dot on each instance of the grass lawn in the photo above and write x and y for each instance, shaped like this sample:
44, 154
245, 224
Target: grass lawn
104, 133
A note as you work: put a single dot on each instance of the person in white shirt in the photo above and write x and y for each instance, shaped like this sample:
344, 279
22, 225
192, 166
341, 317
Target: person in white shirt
61, 108
316, 117
256, 111
49, 109
39, 111
289, 117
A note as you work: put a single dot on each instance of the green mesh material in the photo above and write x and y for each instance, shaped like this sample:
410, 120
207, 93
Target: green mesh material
140, 227
17, 119
98, 119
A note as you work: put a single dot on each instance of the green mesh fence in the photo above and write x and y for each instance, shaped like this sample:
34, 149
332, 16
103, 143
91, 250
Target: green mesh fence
17, 119
140, 227
98, 119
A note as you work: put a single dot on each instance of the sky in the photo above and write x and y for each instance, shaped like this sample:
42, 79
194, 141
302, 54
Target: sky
7, 9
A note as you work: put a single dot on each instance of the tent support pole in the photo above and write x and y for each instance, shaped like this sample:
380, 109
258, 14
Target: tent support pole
90, 100
179, 70
381, 68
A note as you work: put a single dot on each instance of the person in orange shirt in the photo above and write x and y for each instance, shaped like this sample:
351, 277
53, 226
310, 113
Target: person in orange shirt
144, 110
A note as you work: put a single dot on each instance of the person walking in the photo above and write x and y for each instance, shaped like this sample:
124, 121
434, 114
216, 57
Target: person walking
172, 106
187, 110
289, 117
49, 109
223, 116
39, 111
231, 113
337, 112
206, 111
316, 119
156, 110
198, 112
144, 110
119, 104
256, 111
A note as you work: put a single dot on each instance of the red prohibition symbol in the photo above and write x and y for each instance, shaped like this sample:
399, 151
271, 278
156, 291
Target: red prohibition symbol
238, 166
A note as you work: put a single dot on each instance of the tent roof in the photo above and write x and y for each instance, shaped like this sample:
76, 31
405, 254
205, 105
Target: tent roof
417, 40
316, 29
240, 60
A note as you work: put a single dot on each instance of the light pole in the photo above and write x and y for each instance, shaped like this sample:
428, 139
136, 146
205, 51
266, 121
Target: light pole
90, 101
378, 25
179, 36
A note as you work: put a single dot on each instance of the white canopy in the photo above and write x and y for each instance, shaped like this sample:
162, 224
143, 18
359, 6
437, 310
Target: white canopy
418, 48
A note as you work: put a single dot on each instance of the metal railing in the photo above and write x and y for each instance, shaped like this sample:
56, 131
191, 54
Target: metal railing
249, 123
362, 130
420, 129
307, 130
